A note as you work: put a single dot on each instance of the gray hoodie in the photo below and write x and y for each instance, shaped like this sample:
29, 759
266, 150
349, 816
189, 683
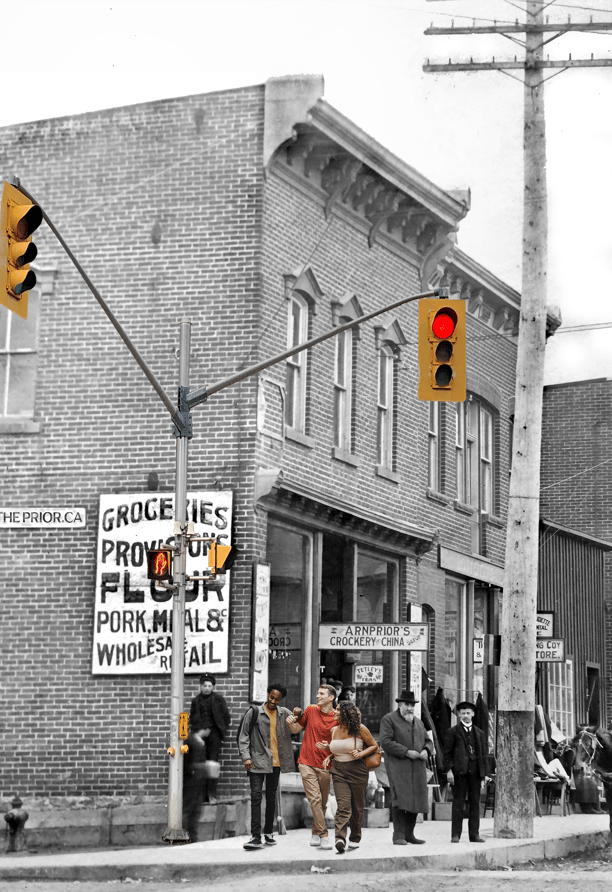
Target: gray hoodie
258, 747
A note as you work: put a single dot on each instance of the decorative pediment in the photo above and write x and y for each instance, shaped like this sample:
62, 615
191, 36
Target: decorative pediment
392, 335
304, 281
348, 307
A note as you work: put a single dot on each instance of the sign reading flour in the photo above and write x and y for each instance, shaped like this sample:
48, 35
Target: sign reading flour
133, 614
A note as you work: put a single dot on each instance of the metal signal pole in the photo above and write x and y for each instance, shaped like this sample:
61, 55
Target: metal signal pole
514, 781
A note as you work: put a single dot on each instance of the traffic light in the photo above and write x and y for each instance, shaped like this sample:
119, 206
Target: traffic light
221, 557
442, 372
18, 220
159, 564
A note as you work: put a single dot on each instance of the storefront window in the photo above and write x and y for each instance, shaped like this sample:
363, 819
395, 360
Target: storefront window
374, 601
288, 554
454, 632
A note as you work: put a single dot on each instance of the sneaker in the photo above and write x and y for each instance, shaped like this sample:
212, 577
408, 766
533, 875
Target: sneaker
340, 846
326, 843
269, 839
254, 843
315, 840
353, 845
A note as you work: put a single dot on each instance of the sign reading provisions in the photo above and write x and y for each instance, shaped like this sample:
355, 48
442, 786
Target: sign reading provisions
133, 614
372, 636
31, 518
550, 650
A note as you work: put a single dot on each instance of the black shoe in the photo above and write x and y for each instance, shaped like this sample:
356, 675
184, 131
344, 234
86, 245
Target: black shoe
254, 843
269, 839
414, 841
454, 839
340, 845
477, 839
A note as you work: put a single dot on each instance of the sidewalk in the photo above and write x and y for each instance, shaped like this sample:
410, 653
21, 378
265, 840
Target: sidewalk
554, 837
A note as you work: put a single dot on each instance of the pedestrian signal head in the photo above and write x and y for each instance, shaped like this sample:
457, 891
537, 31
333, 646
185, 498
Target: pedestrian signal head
159, 564
221, 557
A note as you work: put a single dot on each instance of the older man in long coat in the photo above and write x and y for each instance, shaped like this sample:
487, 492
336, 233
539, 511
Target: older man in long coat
407, 747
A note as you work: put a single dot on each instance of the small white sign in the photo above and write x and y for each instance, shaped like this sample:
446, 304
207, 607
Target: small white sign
545, 625
368, 674
550, 650
382, 636
478, 650
52, 518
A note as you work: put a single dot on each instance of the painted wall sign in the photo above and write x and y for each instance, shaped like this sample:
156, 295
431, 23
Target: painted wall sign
261, 632
133, 614
545, 623
34, 518
550, 650
478, 646
382, 636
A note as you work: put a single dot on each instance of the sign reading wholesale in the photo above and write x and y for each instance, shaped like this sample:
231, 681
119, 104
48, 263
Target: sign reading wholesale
133, 614
375, 636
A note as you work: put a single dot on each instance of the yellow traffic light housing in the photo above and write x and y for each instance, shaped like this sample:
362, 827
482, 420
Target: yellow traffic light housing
18, 220
159, 564
221, 557
442, 352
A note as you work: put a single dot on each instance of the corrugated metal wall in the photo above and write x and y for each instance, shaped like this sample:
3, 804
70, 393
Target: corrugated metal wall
571, 584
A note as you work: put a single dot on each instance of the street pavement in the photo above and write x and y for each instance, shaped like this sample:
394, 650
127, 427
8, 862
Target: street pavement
554, 837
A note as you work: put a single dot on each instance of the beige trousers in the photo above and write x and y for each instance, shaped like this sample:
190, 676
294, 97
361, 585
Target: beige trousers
316, 782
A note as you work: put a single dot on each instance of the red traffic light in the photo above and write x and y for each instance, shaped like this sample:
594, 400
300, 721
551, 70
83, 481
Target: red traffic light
159, 564
443, 324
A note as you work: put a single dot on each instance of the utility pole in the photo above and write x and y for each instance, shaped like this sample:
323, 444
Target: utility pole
516, 696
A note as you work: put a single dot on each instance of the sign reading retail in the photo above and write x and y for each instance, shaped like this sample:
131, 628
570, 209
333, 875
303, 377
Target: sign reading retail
133, 614
37, 518
550, 650
373, 636
545, 623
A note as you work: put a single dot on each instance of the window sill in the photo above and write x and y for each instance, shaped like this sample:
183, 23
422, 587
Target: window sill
435, 496
493, 520
387, 473
297, 436
16, 425
346, 457
463, 508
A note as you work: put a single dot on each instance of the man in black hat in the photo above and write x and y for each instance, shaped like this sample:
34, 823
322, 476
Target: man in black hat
209, 719
465, 761
404, 741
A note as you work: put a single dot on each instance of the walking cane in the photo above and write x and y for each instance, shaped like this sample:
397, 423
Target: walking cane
280, 823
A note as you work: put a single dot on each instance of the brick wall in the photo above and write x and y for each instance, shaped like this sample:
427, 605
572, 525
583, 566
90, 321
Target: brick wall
576, 479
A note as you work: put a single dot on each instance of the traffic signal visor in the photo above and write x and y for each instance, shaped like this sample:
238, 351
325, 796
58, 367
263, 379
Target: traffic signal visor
221, 557
442, 356
18, 220
159, 564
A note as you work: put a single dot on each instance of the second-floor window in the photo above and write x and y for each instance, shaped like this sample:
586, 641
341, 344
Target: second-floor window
433, 481
19, 360
475, 461
386, 406
343, 391
295, 401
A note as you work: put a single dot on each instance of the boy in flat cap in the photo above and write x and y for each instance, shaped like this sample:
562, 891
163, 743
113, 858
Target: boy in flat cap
465, 761
209, 719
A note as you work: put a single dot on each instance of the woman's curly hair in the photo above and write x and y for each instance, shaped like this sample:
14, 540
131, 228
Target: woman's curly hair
350, 717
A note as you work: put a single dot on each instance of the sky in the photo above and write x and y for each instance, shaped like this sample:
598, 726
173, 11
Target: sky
461, 130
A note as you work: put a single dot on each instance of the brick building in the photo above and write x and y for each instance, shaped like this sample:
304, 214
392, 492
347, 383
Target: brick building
576, 484
266, 217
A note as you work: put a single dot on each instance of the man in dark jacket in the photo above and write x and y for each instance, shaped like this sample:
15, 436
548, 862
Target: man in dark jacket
404, 741
465, 761
266, 751
209, 719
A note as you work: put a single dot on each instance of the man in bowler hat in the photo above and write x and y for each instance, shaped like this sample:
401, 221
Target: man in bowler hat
465, 761
404, 741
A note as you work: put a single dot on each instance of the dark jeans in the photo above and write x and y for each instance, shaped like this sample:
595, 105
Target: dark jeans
466, 786
257, 784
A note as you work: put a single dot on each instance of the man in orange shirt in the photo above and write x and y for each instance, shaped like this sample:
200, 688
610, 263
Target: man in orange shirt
317, 723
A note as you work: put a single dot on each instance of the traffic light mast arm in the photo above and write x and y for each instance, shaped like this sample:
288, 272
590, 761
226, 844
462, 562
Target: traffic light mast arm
119, 328
199, 396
